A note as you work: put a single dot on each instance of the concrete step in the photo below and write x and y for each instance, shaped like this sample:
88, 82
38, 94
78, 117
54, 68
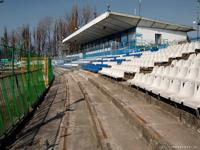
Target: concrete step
118, 133
159, 127
78, 130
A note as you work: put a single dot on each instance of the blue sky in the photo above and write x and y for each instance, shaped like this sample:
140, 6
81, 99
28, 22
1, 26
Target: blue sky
14, 13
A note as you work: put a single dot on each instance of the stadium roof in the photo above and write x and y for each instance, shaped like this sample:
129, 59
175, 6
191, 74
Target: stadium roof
112, 22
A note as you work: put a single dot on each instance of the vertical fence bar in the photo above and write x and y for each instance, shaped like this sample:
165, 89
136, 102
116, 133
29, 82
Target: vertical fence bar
34, 84
27, 88
38, 81
13, 96
24, 92
2, 129
20, 97
28, 73
13, 62
7, 102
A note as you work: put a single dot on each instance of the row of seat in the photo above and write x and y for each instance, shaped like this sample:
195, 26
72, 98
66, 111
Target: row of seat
148, 58
194, 56
192, 63
126, 68
185, 48
114, 73
183, 73
177, 90
138, 62
110, 63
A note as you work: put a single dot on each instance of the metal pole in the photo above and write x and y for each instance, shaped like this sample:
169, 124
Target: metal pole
13, 59
197, 32
198, 19
140, 6
29, 77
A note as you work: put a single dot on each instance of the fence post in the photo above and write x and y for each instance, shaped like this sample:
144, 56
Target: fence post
28, 71
46, 71
13, 63
7, 100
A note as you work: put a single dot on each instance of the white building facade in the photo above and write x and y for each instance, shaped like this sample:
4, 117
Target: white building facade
153, 35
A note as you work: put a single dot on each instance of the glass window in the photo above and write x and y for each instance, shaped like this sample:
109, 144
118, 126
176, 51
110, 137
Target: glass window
131, 36
124, 37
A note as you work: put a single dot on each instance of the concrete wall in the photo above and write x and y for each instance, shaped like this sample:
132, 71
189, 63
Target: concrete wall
148, 34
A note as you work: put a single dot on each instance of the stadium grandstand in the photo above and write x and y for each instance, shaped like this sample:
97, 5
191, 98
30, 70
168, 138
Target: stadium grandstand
149, 54
152, 59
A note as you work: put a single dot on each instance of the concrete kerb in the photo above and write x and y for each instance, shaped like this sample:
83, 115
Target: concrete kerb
150, 135
100, 132
183, 116
61, 140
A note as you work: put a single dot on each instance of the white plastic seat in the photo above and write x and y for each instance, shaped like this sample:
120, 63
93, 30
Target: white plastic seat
115, 73
195, 64
174, 88
192, 74
159, 71
179, 63
155, 69
198, 56
197, 80
155, 83
165, 82
148, 82
182, 72
186, 91
166, 71
141, 80
173, 72
197, 45
185, 48
176, 53
194, 101
138, 77
174, 63
187, 63
192, 56
191, 48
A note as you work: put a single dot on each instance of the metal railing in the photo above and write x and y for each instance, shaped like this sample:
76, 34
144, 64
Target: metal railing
24, 77
18, 93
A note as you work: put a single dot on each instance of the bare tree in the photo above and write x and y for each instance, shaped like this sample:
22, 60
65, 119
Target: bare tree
72, 19
87, 14
41, 35
49, 33
26, 37
4, 41
95, 12
13, 39
34, 34
48, 26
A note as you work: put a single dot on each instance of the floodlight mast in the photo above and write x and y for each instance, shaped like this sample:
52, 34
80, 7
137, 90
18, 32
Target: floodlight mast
198, 19
140, 6
108, 8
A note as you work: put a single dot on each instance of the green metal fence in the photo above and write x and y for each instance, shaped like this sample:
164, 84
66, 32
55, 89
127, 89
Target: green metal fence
22, 83
50, 70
